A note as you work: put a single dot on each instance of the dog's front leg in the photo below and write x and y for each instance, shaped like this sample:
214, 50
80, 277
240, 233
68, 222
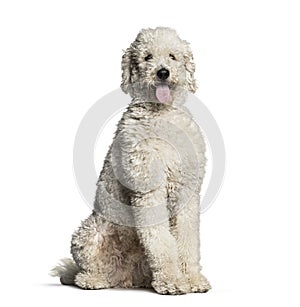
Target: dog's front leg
160, 246
186, 231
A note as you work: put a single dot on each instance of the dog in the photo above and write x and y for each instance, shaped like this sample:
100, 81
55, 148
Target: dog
144, 229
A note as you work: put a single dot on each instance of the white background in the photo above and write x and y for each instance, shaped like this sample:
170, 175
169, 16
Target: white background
59, 57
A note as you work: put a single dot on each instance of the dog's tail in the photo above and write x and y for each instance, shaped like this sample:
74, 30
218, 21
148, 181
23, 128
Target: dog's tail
66, 270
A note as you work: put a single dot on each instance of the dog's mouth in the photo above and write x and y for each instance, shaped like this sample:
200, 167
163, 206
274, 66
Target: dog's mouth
162, 92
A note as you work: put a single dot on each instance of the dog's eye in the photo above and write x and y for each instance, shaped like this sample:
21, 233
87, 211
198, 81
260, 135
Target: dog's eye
149, 57
172, 56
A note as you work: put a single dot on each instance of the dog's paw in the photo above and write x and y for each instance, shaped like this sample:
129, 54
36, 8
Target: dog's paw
90, 281
199, 283
175, 287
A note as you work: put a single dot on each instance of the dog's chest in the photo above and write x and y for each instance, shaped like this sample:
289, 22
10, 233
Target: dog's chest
185, 166
176, 140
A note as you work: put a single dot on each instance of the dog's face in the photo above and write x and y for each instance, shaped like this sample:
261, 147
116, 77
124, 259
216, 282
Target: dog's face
157, 65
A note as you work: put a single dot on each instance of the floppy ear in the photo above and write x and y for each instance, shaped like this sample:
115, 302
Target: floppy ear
126, 70
190, 69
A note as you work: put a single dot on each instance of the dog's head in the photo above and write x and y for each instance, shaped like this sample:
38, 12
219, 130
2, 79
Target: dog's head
157, 65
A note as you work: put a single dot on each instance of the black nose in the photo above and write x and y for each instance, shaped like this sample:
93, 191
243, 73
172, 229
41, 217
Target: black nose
163, 74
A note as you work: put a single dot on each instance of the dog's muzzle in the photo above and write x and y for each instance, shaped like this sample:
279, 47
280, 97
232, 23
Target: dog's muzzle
162, 90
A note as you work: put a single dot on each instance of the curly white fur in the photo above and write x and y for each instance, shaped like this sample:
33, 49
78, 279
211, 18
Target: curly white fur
163, 255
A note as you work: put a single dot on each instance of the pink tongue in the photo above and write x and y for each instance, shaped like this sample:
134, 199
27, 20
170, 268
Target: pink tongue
163, 93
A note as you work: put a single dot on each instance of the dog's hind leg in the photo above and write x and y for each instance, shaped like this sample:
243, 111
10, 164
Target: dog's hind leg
91, 281
104, 252
89, 252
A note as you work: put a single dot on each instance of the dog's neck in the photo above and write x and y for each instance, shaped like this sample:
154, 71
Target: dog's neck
150, 106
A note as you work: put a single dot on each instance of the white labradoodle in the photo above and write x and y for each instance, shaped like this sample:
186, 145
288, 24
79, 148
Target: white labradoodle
144, 230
